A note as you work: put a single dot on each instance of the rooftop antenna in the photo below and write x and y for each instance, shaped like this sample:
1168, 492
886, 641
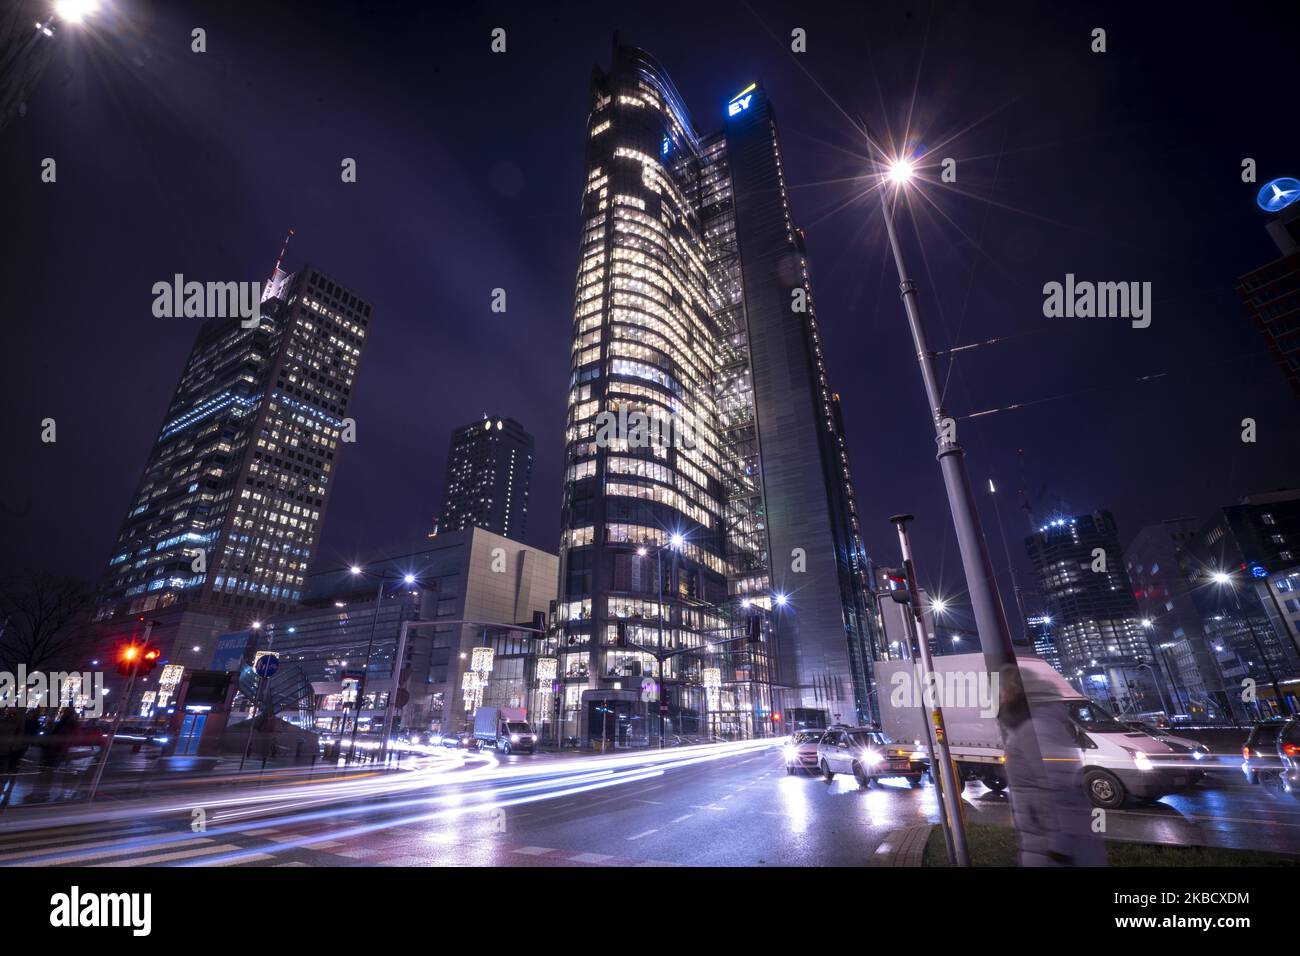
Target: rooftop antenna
280, 258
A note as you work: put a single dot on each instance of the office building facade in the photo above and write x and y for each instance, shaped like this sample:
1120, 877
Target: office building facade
1271, 295
1095, 624
489, 471
236, 486
694, 312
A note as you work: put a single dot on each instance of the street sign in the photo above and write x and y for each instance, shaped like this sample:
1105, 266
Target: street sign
267, 665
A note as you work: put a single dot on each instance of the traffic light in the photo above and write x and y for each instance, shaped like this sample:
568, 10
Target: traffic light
755, 629
136, 658
620, 629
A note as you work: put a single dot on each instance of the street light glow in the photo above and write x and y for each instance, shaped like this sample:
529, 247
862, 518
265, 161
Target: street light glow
1220, 577
781, 599
677, 540
900, 172
938, 605
74, 11
356, 569
409, 579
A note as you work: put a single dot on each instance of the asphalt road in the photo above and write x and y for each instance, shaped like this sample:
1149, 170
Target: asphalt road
729, 806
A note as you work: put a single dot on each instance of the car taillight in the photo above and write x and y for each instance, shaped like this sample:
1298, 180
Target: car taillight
1245, 752
1291, 750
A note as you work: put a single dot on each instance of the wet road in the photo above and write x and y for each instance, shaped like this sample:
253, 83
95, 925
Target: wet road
730, 805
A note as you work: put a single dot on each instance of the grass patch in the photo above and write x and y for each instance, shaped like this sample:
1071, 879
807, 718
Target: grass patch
997, 846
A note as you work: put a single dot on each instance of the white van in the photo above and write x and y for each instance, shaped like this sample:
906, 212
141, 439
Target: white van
1116, 764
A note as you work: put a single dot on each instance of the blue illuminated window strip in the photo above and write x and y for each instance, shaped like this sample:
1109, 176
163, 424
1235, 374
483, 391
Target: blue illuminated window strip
205, 410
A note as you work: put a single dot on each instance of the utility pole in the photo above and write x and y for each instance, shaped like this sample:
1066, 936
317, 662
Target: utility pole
941, 756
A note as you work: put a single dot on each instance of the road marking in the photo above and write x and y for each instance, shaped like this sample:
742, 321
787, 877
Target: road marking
640, 835
532, 850
178, 855
727, 796
89, 850
70, 839
695, 806
656, 803
591, 858
684, 816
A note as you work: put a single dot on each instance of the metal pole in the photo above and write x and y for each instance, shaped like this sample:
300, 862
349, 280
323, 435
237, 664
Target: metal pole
942, 755
365, 671
117, 722
990, 621
397, 683
1011, 568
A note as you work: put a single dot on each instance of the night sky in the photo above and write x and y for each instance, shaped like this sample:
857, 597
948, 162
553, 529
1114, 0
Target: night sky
1122, 166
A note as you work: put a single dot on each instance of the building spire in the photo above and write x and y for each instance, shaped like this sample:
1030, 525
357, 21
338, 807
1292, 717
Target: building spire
280, 258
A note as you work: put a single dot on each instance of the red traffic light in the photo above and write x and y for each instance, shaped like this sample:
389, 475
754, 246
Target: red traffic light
137, 658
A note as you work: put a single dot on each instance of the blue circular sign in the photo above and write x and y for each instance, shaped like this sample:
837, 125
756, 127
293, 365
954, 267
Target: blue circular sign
267, 665
1257, 572
1277, 194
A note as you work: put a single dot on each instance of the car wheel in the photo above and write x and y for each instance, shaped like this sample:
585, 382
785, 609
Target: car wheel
1104, 789
994, 781
827, 773
532, 750
860, 776
504, 747
914, 781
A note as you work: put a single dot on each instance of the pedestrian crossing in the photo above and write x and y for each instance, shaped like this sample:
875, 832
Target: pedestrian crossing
106, 845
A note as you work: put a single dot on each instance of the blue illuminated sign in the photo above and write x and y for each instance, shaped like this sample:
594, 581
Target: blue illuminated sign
1257, 572
741, 100
1278, 194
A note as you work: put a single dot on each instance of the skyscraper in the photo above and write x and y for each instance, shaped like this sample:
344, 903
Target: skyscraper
694, 310
234, 491
489, 469
1098, 634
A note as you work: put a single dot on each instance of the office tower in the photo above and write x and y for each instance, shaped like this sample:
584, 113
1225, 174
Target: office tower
1172, 621
694, 311
1244, 577
235, 489
1098, 634
489, 469
1040, 631
1272, 294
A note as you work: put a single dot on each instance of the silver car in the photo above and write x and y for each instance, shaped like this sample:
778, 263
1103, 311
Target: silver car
867, 754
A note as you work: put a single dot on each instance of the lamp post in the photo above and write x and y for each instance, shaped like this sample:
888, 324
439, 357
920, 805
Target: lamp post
384, 578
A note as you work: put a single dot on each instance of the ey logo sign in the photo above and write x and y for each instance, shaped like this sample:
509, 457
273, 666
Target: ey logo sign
741, 100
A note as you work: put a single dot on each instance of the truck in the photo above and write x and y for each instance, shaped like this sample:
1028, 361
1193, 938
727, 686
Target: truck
1117, 765
505, 728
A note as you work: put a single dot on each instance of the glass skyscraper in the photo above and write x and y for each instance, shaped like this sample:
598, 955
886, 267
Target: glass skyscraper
694, 312
489, 470
243, 464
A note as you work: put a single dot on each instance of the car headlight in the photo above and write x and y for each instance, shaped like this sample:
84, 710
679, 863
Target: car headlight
871, 757
514, 738
1199, 753
790, 753
1140, 760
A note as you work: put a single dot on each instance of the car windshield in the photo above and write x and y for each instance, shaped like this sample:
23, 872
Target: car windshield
1095, 719
867, 738
808, 738
517, 728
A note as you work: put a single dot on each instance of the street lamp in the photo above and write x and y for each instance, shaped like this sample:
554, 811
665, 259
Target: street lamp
1223, 578
384, 578
990, 620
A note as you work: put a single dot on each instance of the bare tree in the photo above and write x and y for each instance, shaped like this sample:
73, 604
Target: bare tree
42, 618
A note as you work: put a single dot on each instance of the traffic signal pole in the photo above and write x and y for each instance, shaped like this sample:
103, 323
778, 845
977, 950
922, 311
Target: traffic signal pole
117, 721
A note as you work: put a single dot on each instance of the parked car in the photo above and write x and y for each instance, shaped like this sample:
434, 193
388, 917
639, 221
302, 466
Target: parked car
801, 751
1271, 754
867, 754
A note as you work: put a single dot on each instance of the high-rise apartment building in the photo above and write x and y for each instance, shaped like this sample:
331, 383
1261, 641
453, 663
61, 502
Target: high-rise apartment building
694, 312
489, 469
1095, 623
234, 491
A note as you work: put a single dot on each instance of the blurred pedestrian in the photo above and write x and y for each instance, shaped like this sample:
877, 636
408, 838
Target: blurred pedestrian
1048, 805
